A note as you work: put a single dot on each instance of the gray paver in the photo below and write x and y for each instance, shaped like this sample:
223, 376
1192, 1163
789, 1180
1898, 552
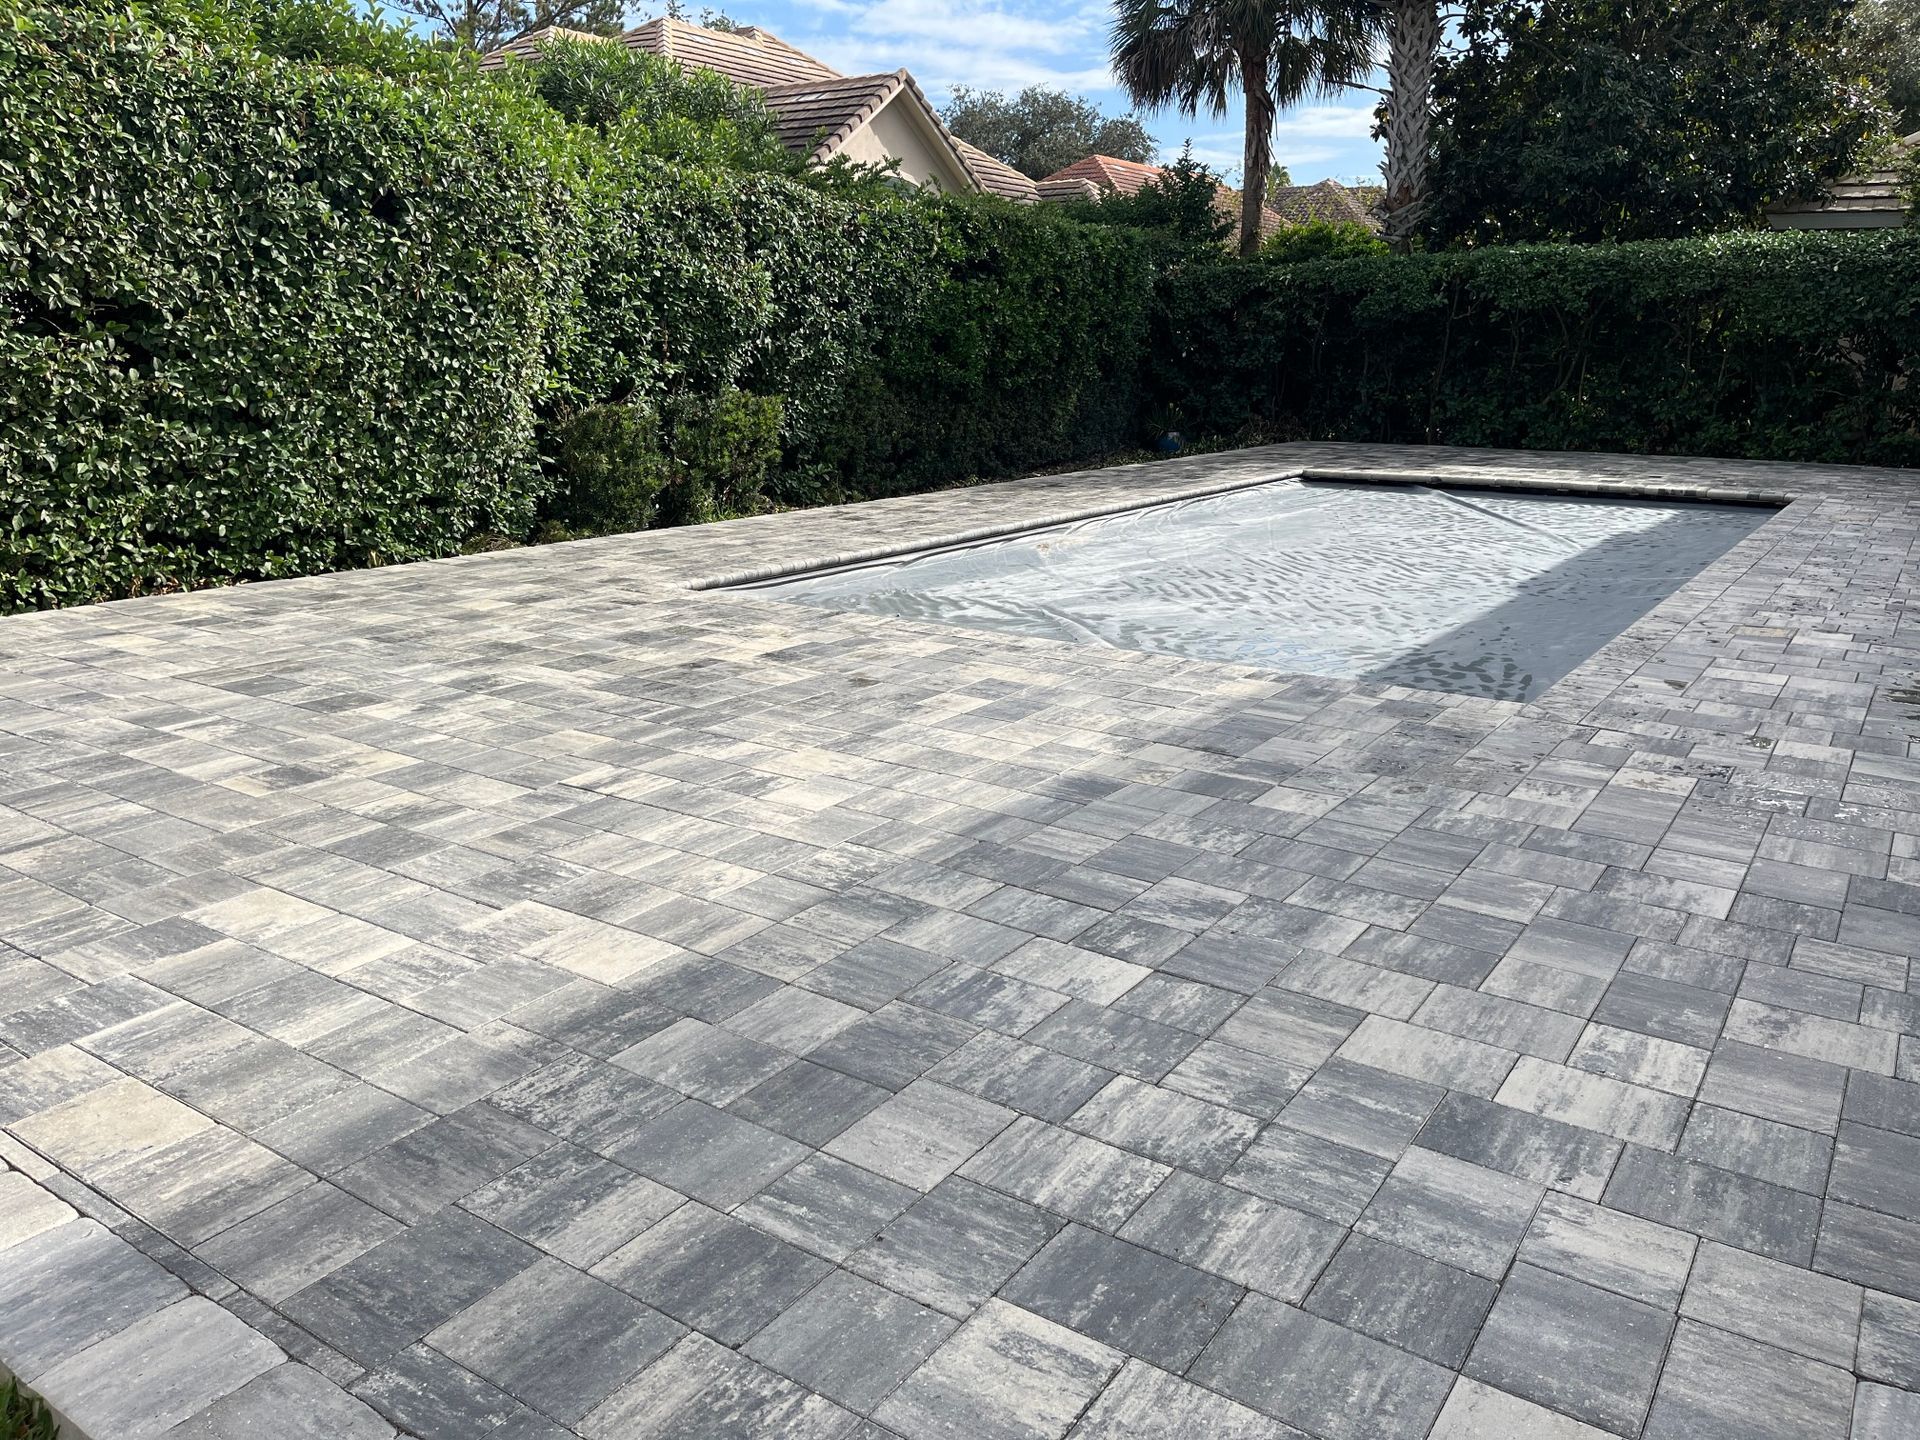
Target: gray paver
408, 943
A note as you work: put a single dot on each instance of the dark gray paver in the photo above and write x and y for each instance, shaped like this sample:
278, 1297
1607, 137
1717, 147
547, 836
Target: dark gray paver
811, 1024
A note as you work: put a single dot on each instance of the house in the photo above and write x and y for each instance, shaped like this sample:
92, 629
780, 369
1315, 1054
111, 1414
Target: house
817, 111
1286, 205
1872, 200
882, 118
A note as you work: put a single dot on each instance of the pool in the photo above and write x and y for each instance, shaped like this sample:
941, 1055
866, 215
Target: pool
1476, 592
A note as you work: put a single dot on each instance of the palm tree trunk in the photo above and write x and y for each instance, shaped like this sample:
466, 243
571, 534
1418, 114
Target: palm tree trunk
1257, 157
1412, 43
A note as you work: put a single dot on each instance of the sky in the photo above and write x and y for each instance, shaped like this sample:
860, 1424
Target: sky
1009, 44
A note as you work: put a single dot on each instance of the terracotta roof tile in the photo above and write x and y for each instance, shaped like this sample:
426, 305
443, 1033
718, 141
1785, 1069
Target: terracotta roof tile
996, 177
1328, 200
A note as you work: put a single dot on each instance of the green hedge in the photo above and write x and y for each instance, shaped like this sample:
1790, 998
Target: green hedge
260, 318
1793, 346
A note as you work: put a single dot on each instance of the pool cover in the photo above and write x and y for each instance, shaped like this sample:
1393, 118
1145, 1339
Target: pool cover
1476, 592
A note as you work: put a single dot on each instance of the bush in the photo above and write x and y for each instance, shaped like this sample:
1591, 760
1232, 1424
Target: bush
723, 446
1320, 240
609, 468
1011, 338
263, 318
1791, 346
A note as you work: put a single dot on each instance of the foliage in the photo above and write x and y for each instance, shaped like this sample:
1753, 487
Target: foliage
1013, 339
1790, 346
24, 1416
297, 324
1042, 129
722, 448
1890, 38
1636, 119
484, 25
1191, 54
1184, 204
1321, 240
647, 104
609, 469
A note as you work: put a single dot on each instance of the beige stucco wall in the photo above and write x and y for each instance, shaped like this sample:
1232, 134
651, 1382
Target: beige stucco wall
895, 134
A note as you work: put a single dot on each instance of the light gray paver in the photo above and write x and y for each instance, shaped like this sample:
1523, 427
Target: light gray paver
543, 996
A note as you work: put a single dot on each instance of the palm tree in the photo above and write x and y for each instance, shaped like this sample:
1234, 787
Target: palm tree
1413, 40
1195, 53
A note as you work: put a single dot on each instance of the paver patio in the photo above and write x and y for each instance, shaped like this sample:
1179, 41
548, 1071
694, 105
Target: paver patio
529, 994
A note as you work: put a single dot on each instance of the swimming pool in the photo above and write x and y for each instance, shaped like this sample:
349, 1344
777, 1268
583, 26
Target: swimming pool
1478, 592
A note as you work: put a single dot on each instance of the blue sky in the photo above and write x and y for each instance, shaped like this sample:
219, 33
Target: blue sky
1008, 44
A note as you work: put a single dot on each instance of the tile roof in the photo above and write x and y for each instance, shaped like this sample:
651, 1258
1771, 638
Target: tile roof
996, 177
1328, 200
1880, 192
1125, 177
808, 98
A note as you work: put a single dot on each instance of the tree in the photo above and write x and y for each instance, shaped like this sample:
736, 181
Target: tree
1595, 120
1413, 46
1042, 130
1890, 30
1180, 206
1192, 54
485, 25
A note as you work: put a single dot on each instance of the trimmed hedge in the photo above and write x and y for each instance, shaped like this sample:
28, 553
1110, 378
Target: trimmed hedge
260, 318
1792, 346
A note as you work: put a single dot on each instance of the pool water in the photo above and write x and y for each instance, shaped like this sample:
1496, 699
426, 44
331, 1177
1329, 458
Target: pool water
1476, 592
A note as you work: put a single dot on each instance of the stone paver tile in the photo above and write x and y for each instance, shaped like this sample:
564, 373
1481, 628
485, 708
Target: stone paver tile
1142, 1403
290, 1401
1297, 1029
70, 1286
374, 1306
1869, 1248
1130, 1298
1521, 1143
556, 1339
1540, 1344
1250, 1240
1595, 1102
710, 1154
1023, 1077
1889, 1340
288, 1246
1243, 1080
1718, 1204
1718, 1386
1073, 1176
1479, 1412
851, 1340
828, 1206
921, 1135
1167, 1126
160, 1370
954, 1248
1308, 1173
1422, 1054
428, 1396
443, 1161
1792, 1089
809, 1103
1765, 1149
793, 1020
1619, 1252
1115, 1040
1782, 1305
1321, 1377
1405, 1299
703, 1391
27, 1210
1878, 1169
720, 1275
1362, 1108
1007, 1374
704, 1061
1451, 1211
573, 1204
1883, 1413
106, 1128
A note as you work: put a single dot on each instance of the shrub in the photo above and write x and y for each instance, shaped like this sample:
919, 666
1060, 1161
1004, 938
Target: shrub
1320, 240
262, 318
723, 446
608, 467
1791, 346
